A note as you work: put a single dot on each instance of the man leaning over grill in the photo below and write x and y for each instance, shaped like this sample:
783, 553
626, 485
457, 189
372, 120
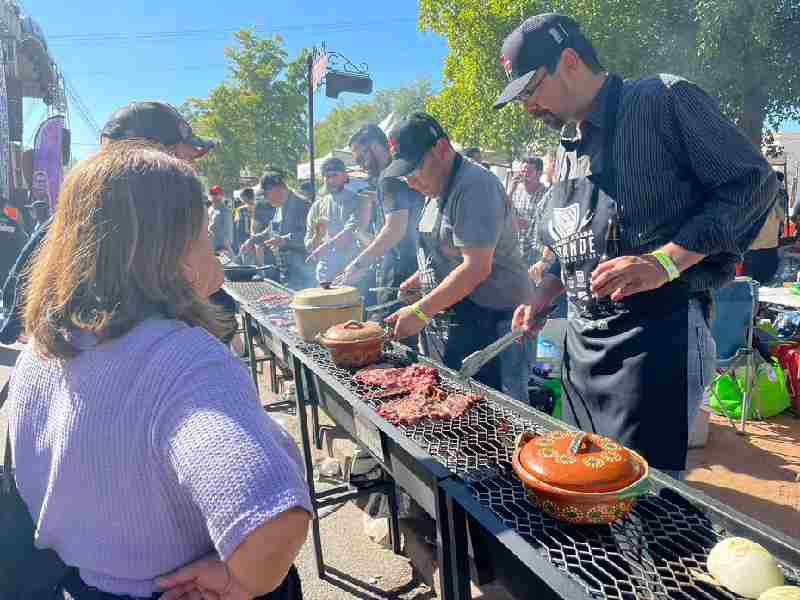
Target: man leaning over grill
654, 201
470, 266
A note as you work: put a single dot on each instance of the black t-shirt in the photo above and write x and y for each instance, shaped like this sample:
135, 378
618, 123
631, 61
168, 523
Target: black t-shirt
393, 195
12, 241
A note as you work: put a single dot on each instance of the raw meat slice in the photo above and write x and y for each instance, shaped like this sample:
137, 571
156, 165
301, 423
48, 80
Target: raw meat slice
415, 376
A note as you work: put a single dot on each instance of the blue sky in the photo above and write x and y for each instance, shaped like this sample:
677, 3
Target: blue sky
113, 53
109, 63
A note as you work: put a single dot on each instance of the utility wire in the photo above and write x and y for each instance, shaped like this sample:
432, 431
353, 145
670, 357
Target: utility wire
192, 34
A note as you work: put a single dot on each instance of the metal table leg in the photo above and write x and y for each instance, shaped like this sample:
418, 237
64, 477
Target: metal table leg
394, 518
457, 524
248, 342
301, 399
444, 539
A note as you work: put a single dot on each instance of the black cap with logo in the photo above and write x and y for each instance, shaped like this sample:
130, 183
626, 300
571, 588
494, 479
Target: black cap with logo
409, 140
272, 177
536, 42
333, 165
155, 121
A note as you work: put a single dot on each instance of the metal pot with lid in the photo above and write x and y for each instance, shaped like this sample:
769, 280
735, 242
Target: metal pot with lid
318, 309
579, 477
354, 344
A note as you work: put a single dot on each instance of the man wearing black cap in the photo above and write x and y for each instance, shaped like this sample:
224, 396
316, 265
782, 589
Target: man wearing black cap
340, 215
395, 216
654, 200
470, 270
40, 211
285, 234
154, 121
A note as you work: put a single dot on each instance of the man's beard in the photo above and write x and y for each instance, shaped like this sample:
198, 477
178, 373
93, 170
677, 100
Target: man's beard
550, 119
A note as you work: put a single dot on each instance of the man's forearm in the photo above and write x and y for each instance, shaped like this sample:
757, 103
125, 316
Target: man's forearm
386, 239
459, 284
546, 293
682, 257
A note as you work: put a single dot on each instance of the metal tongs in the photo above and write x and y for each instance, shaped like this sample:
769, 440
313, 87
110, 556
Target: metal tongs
473, 363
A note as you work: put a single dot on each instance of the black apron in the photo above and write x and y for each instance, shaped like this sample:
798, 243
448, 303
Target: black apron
625, 364
466, 326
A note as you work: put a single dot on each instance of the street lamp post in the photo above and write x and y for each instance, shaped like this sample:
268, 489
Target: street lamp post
339, 75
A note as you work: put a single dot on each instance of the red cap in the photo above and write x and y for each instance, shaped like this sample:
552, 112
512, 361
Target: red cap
216, 191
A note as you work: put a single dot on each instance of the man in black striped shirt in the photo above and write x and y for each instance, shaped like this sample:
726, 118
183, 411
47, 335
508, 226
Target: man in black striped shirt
682, 194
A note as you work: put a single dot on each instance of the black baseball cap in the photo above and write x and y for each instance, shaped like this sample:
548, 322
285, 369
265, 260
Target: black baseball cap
271, 177
155, 121
333, 165
409, 140
536, 42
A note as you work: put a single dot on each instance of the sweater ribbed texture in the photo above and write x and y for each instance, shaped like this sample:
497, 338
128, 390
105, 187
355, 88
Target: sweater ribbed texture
147, 452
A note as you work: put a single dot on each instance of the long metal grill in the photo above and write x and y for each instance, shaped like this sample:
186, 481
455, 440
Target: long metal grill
656, 552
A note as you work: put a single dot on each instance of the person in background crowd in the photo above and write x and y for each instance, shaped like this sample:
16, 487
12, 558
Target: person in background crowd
397, 210
157, 122
216, 504
527, 197
471, 275
285, 234
316, 224
12, 241
340, 219
761, 259
474, 154
306, 189
242, 217
40, 214
220, 222
653, 203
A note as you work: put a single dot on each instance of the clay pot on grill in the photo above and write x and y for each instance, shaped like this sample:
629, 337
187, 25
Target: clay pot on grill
317, 309
580, 478
354, 344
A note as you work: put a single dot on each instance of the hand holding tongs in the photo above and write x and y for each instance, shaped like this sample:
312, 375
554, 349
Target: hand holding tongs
473, 363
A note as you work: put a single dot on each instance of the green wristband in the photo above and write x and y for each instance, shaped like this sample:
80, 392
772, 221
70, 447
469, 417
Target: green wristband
666, 262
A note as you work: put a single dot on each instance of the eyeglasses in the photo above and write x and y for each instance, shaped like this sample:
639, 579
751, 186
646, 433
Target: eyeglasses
530, 89
416, 172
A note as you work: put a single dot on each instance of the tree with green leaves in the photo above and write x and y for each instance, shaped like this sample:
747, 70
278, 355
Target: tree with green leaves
258, 114
335, 129
744, 52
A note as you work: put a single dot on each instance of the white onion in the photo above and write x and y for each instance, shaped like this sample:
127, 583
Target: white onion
782, 592
744, 567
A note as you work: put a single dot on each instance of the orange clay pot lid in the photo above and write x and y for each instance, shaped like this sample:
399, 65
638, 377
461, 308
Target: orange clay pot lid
354, 331
580, 462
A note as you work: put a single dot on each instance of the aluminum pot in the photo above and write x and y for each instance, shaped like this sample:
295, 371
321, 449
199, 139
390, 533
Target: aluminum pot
354, 344
318, 309
580, 478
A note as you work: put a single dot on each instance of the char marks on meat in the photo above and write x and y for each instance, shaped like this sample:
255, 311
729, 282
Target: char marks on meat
274, 300
427, 401
388, 378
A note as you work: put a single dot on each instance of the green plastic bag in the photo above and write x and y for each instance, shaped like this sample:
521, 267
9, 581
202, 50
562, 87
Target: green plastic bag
770, 395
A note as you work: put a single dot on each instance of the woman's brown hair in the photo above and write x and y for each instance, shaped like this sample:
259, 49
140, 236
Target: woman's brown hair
113, 254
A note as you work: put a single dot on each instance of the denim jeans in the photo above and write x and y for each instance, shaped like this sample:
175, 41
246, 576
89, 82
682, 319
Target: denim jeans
515, 365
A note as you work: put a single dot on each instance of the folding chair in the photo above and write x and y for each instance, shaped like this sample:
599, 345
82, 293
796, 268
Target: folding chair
733, 325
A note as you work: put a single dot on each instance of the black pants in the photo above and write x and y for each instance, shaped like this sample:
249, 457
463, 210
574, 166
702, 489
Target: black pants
73, 588
761, 265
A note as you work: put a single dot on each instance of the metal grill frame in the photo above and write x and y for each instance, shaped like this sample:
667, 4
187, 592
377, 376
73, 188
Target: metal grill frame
434, 458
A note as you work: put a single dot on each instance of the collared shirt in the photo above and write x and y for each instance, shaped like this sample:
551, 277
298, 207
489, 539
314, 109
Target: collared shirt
684, 173
529, 206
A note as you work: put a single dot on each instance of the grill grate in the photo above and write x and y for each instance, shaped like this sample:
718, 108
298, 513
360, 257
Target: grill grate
655, 552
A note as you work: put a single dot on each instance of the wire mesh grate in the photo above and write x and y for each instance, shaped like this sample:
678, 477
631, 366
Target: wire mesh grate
657, 552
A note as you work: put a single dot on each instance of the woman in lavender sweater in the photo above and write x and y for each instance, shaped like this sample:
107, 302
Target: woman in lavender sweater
140, 446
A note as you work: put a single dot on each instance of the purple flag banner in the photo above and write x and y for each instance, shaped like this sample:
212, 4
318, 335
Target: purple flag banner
47, 165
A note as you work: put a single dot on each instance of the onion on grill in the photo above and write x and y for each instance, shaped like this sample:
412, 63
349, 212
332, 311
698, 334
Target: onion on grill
744, 567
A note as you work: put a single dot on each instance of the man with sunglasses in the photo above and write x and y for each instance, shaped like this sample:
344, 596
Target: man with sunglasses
470, 269
395, 216
656, 196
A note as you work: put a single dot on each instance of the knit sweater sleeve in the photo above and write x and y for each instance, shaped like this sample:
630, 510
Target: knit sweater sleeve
232, 461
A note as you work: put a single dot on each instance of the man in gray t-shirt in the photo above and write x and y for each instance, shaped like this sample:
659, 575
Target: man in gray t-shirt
471, 274
220, 222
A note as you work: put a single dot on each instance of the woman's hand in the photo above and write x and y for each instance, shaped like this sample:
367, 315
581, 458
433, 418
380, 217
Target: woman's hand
206, 579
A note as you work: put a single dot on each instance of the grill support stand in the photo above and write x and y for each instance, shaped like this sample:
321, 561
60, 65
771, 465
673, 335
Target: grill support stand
248, 343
